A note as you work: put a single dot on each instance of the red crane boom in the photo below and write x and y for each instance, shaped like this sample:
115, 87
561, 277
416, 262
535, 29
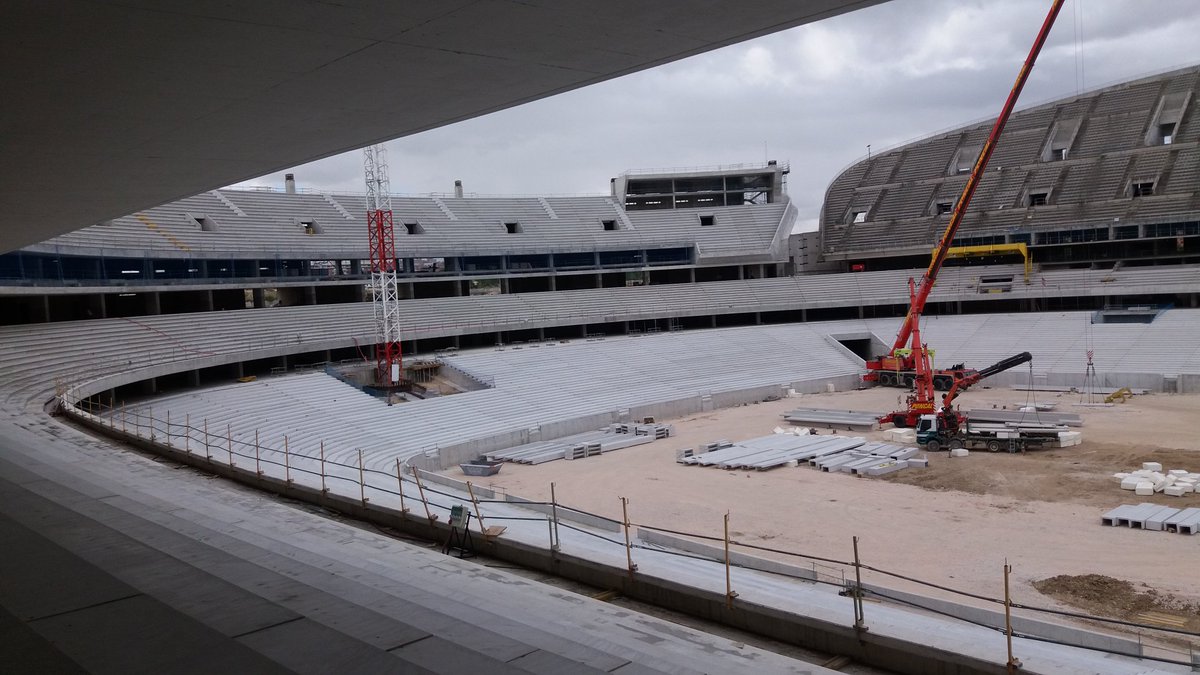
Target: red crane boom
917, 357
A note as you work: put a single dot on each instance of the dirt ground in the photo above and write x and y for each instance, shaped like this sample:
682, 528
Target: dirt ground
955, 522
1099, 595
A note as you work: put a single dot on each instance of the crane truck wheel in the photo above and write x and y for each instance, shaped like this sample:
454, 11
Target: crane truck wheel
899, 421
993, 446
933, 446
956, 444
908, 381
886, 379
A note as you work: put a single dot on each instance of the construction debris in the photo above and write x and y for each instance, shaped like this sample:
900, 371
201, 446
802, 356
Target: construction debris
1150, 479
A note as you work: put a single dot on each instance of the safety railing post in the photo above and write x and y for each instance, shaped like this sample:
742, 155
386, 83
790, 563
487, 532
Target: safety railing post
859, 617
187, 434
122, 416
729, 592
554, 542
257, 458
287, 463
229, 443
207, 449
150, 423
324, 488
1013, 663
478, 513
168, 428
421, 489
400, 486
628, 543
362, 485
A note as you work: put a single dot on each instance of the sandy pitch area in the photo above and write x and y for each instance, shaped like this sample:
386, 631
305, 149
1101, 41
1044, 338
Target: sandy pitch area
954, 522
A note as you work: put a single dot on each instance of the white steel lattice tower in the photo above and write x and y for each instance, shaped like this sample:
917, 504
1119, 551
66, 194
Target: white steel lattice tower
383, 266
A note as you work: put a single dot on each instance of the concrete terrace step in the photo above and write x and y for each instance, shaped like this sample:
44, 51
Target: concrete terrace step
348, 588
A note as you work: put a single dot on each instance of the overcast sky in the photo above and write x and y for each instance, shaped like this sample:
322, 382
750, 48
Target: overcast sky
814, 96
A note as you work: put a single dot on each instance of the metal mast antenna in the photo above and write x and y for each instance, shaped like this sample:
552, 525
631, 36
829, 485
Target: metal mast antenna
383, 266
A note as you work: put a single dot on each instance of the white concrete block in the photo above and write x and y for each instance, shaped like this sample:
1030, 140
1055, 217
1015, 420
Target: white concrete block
1144, 488
1131, 482
1120, 476
1187, 488
1178, 473
959, 452
1159, 485
1174, 491
1152, 466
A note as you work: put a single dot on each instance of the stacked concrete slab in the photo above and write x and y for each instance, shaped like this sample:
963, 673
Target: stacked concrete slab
579, 446
1154, 517
828, 453
833, 418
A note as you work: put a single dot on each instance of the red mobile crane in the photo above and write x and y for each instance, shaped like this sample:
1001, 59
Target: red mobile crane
912, 365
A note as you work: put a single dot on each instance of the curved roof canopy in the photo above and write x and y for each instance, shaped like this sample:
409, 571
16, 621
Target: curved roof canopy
113, 107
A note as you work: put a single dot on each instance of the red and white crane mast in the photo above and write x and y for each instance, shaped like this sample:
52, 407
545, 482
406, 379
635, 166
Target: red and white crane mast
388, 365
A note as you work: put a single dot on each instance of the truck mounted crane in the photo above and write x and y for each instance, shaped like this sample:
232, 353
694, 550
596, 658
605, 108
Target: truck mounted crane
912, 365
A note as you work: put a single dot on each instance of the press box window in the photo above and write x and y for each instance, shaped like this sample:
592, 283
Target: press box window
1142, 189
413, 227
1038, 198
708, 221
858, 216
310, 226
609, 225
942, 207
512, 227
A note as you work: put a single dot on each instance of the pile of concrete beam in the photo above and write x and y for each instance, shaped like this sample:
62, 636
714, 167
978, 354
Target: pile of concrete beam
834, 419
1154, 517
829, 453
580, 446
871, 459
1151, 479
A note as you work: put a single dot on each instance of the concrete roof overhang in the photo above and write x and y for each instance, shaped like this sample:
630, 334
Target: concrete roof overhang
110, 107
